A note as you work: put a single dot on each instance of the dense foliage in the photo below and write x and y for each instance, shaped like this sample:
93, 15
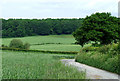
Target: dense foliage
16, 43
102, 61
29, 27
112, 49
99, 27
119, 47
104, 57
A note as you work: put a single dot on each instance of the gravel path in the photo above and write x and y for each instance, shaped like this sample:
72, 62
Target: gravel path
91, 72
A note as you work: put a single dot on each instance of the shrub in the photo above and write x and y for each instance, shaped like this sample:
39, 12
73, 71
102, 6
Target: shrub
112, 64
104, 49
119, 47
114, 49
102, 61
16, 43
4, 45
86, 49
111, 49
26, 46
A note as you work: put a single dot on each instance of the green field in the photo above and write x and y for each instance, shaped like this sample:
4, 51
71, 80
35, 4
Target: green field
37, 65
66, 42
26, 65
57, 47
65, 39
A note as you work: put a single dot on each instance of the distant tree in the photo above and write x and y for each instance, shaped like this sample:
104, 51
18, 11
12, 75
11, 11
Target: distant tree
30, 27
16, 43
20, 31
99, 27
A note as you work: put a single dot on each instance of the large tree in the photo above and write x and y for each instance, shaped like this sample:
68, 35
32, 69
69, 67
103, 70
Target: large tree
99, 27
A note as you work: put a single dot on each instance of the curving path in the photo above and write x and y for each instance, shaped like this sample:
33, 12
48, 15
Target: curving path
91, 72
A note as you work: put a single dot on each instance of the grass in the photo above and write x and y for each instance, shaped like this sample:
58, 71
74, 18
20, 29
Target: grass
55, 47
109, 62
66, 39
26, 65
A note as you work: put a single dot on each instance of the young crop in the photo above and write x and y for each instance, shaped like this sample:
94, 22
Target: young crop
31, 65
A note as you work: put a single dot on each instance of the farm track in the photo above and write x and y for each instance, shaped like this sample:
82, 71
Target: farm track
91, 72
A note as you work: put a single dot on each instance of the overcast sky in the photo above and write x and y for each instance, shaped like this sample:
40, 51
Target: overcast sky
55, 8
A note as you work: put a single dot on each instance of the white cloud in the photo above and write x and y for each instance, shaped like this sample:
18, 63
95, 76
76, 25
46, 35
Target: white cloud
56, 8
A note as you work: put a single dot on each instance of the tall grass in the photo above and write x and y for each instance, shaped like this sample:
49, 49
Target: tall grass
104, 57
26, 65
102, 61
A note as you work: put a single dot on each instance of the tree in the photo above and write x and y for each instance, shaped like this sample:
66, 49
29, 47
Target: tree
30, 27
99, 27
16, 43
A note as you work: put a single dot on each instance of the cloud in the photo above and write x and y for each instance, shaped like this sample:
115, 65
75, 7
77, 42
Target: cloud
56, 8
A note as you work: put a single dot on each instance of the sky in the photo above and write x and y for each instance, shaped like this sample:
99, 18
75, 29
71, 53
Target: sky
55, 8
119, 9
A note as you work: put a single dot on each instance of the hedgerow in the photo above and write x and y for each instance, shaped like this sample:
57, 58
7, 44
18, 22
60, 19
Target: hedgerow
44, 51
102, 61
104, 57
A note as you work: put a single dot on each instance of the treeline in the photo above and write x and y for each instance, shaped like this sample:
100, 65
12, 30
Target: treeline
30, 27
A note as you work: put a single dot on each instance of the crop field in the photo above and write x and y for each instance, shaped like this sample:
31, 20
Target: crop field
27, 65
51, 42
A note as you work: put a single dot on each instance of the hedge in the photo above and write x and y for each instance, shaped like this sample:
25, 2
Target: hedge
44, 51
98, 60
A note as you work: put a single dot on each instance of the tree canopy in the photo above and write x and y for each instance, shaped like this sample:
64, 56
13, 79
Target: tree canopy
99, 27
29, 27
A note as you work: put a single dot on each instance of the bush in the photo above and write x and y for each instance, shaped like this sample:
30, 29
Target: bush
16, 43
102, 61
112, 64
26, 46
104, 49
119, 47
111, 49
86, 49
3, 45
104, 57
114, 49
